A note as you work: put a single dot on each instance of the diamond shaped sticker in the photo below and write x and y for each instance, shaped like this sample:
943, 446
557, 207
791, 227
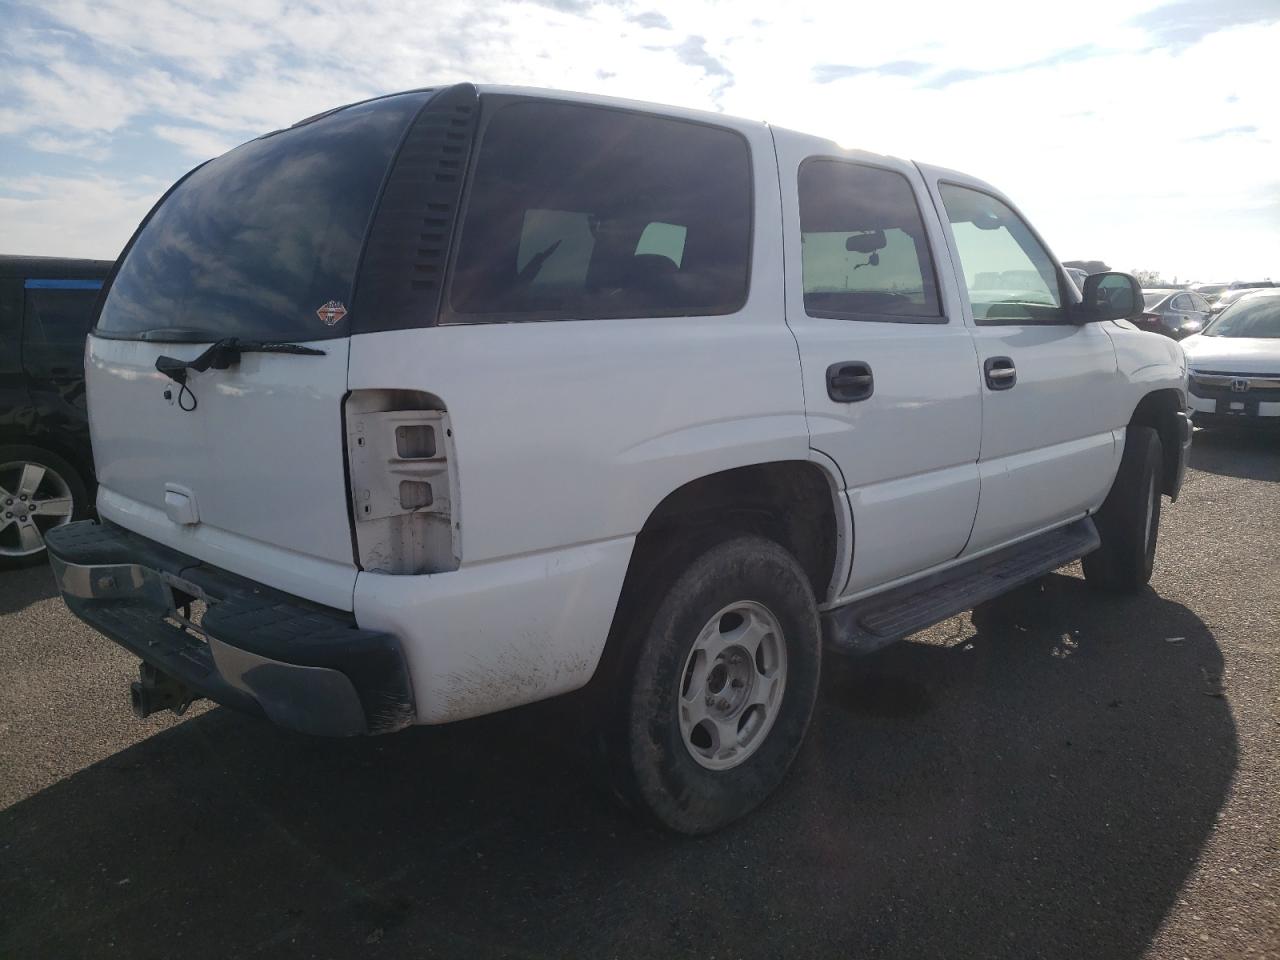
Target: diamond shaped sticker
331, 312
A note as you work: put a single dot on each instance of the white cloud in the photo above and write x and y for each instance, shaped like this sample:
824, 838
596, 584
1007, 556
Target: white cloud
73, 217
197, 142
74, 145
1089, 118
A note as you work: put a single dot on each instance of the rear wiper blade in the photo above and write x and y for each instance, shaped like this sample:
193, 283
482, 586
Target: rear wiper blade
221, 356
178, 335
224, 353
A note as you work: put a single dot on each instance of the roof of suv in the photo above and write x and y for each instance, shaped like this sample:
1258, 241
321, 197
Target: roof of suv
648, 106
685, 113
53, 267
544, 93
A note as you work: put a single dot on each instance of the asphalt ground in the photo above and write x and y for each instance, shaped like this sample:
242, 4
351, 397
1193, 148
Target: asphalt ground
1059, 775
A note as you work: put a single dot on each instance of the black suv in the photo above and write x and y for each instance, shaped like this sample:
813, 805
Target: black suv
47, 305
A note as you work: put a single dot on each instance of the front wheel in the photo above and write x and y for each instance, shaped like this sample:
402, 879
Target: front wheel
1129, 521
720, 690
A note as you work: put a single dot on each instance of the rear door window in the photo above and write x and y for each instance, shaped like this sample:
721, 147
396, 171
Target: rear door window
865, 254
580, 212
254, 243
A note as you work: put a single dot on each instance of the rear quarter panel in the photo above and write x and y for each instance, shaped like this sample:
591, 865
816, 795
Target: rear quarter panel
566, 435
570, 432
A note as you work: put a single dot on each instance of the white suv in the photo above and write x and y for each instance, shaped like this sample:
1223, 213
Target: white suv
457, 399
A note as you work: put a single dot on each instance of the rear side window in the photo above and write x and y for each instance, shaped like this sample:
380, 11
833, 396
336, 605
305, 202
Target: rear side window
864, 250
60, 312
254, 243
589, 213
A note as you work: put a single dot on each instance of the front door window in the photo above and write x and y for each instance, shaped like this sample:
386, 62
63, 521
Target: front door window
1008, 274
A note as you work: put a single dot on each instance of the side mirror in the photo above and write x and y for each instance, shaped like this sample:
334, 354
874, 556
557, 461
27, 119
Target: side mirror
1110, 296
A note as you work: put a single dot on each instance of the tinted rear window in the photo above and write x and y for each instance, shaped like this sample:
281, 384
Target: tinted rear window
864, 250
583, 212
254, 243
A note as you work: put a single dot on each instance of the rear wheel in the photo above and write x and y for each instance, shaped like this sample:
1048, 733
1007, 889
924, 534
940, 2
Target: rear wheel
38, 491
720, 687
1129, 521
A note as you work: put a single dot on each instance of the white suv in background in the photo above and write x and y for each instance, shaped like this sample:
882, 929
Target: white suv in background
458, 399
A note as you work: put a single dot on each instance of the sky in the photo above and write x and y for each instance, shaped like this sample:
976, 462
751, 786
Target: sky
1142, 133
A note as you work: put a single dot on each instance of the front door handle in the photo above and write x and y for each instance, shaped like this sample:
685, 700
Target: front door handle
850, 381
1000, 373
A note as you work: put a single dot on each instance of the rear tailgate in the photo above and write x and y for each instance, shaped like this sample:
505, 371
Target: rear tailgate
260, 460
242, 465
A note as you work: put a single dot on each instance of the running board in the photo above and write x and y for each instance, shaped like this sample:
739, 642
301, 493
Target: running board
869, 624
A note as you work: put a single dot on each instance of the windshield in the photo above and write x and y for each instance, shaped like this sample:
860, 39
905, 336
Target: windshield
263, 242
1151, 298
1231, 296
1211, 290
1250, 317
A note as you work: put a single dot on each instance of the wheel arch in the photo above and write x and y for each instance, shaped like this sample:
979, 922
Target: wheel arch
1160, 409
793, 502
797, 503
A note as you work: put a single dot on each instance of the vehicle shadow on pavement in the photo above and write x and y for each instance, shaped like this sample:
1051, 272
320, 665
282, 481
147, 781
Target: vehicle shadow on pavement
1037, 785
1218, 450
24, 586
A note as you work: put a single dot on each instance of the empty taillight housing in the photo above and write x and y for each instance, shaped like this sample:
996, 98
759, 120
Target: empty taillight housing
403, 482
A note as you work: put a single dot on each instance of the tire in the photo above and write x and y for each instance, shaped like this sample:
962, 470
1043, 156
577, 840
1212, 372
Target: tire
1129, 521
52, 480
666, 764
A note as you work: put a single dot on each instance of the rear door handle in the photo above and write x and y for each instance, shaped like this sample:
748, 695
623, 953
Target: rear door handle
850, 381
1000, 373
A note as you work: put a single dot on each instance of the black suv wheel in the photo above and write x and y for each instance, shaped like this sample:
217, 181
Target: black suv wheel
1129, 521
715, 701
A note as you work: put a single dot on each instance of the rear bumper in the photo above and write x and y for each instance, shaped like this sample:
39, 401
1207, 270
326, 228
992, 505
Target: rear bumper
303, 666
